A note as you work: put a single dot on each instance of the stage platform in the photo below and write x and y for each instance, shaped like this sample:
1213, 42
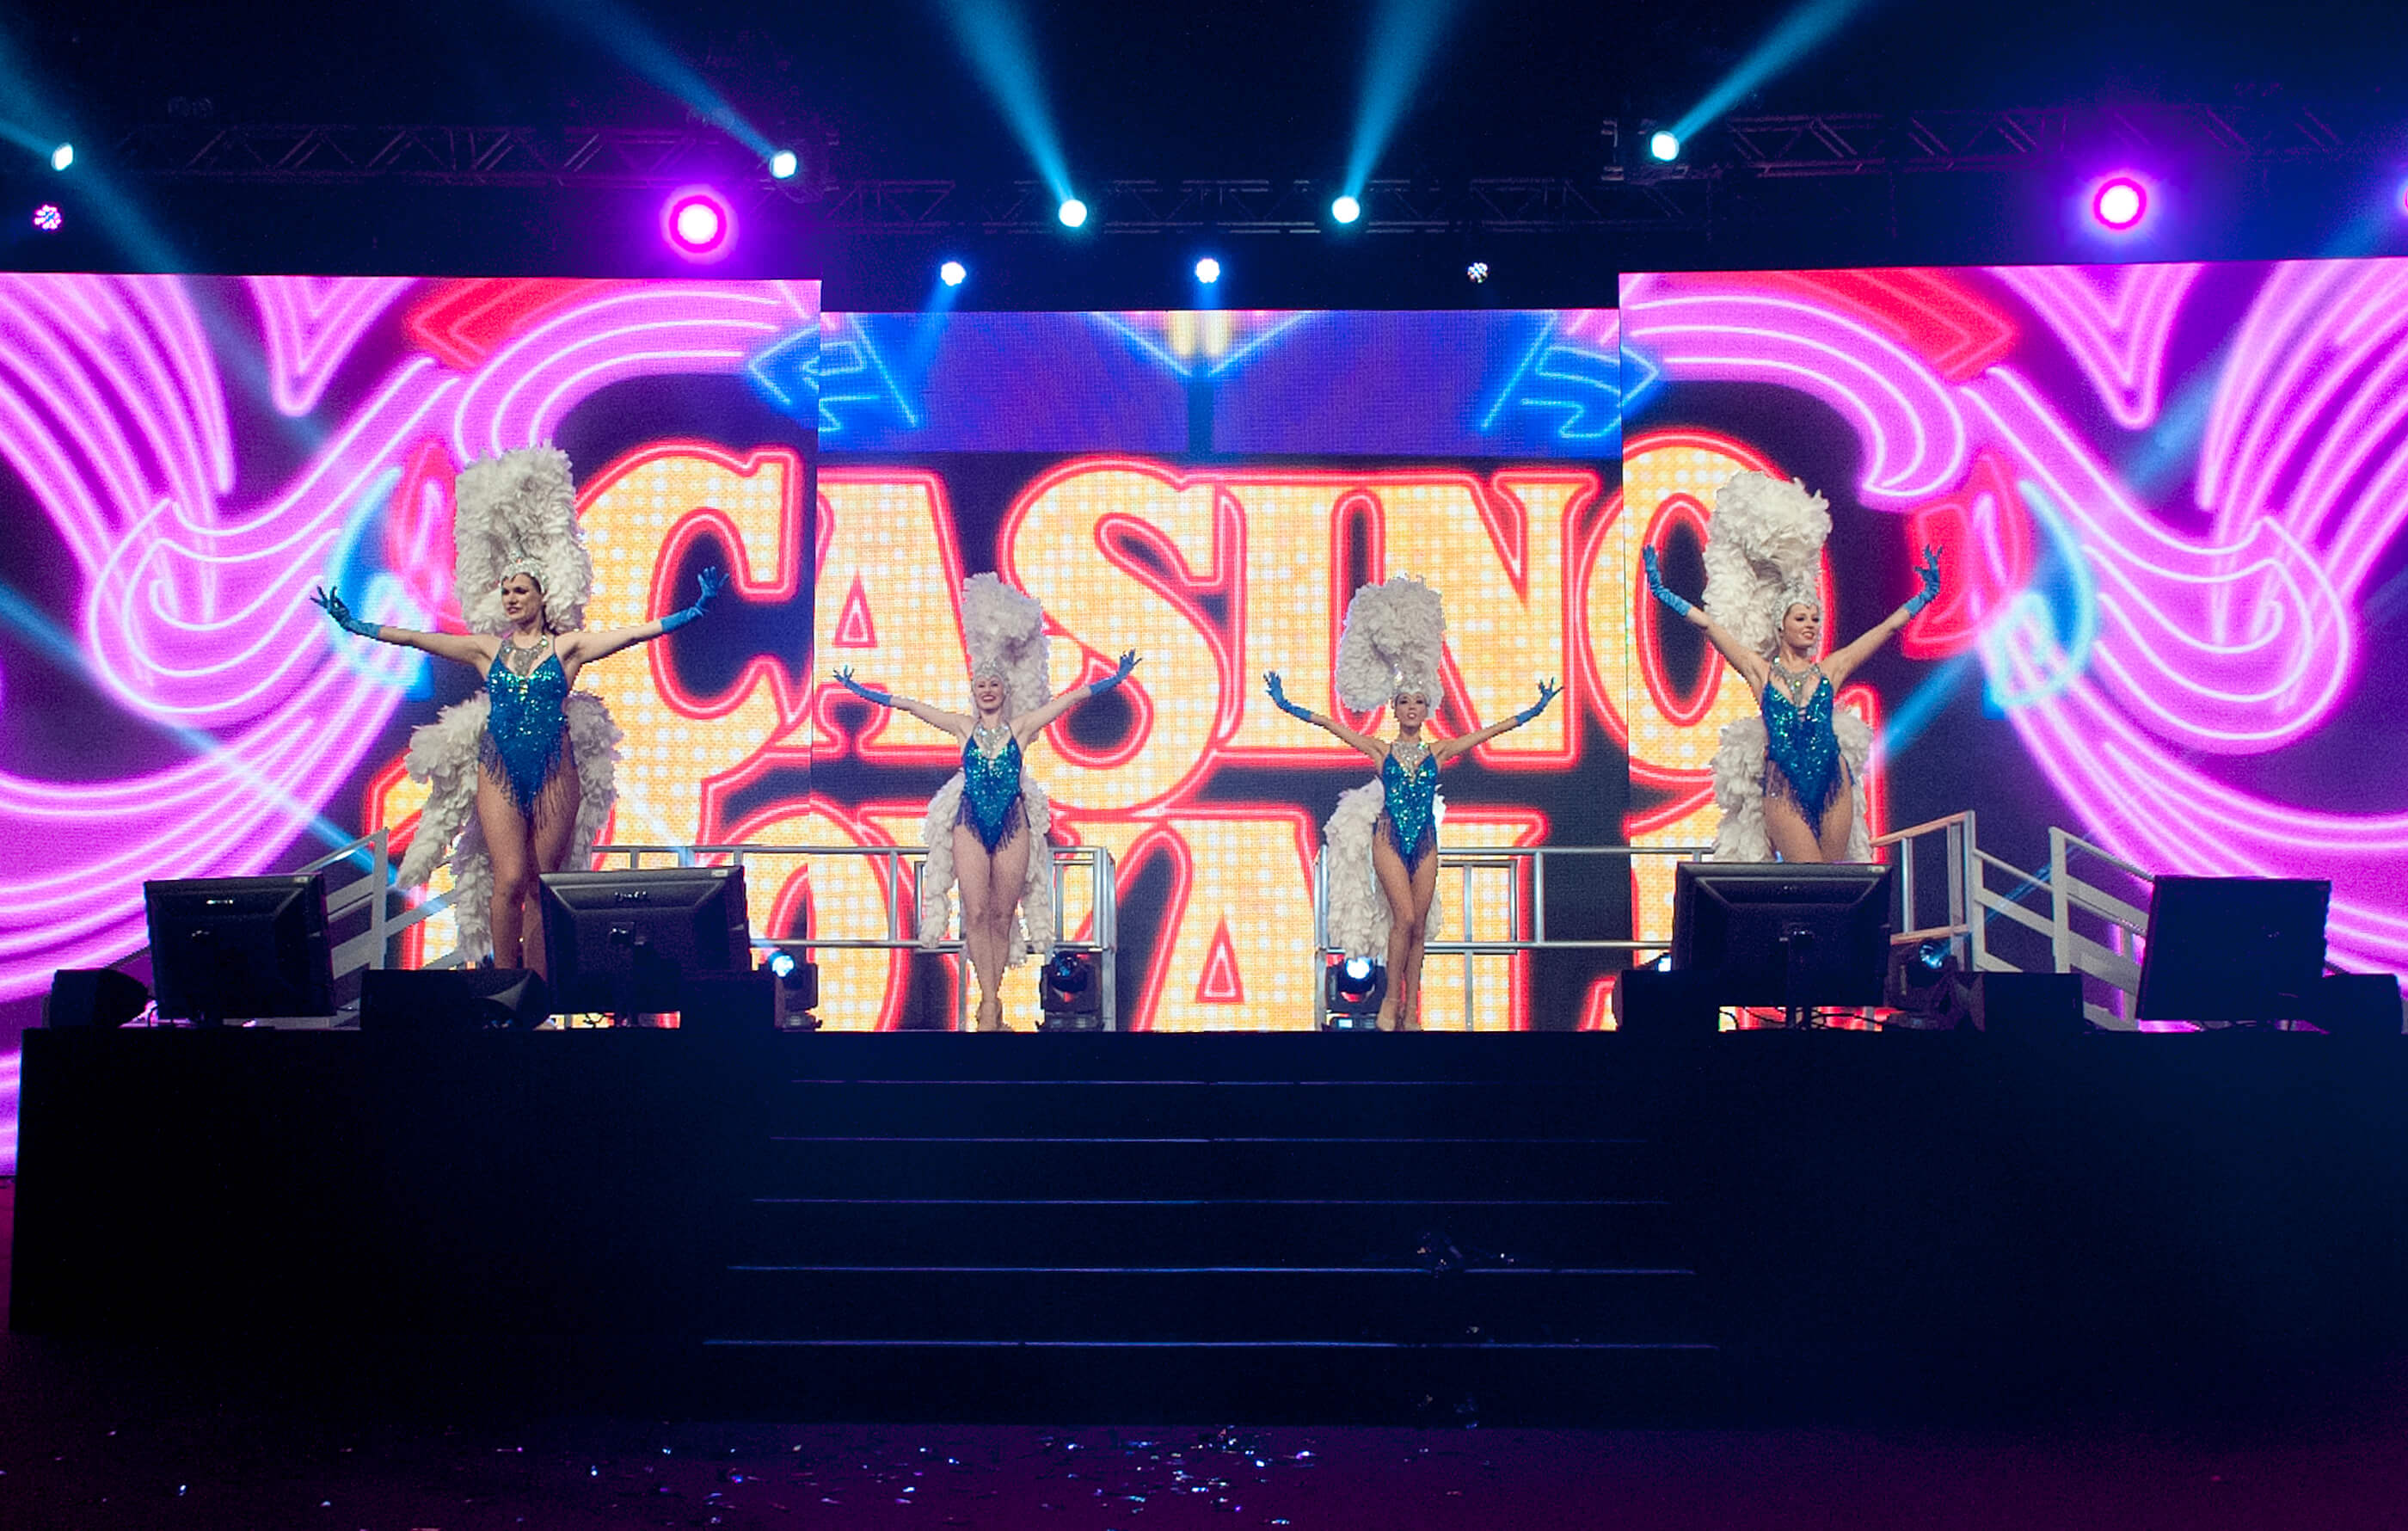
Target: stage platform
1541, 1227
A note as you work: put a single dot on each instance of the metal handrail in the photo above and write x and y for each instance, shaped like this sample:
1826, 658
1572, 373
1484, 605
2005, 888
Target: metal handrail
1507, 858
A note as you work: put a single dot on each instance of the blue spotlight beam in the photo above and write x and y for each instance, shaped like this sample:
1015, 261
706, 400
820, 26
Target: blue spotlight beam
1800, 33
28, 622
1404, 35
993, 36
624, 36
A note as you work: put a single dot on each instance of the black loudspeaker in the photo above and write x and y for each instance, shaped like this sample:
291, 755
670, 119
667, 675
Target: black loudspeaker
728, 1004
2029, 1007
1660, 1006
413, 1001
2357, 1005
93, 996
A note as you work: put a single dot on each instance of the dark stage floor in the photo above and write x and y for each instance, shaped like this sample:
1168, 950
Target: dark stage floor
113, 1434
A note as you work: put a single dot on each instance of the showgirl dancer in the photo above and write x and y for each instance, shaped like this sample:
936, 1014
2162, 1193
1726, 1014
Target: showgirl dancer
1791, 779
522, 774
1383, 838
985, 828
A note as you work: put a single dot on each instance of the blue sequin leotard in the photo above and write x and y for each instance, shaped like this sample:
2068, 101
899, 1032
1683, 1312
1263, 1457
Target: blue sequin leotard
526, 736
991, 790
1802, 753
1412, 797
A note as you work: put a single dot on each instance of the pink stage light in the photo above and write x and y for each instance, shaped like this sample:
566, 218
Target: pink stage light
2119, 204
47, 217
698, 223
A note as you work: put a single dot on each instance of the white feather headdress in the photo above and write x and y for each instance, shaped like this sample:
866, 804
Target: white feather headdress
1005, 630
517, 514
1764, 550
1394, 631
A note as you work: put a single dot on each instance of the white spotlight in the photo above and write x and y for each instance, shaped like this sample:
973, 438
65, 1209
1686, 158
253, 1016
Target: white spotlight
1073, 212
1477, 271
1346, 209
1208, 271
952, 273
783, 165
1664, 145
61, 156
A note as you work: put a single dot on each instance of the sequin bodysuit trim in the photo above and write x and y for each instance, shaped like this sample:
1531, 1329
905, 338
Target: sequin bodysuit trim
1412, 797
991, 790
526, 735
1802, 752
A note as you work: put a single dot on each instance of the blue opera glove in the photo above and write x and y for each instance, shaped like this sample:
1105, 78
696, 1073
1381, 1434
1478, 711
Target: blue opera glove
1928, 572
844, 678
1278, 698
1548, 690
712, 583
1656, 587
334, 606
1129, 663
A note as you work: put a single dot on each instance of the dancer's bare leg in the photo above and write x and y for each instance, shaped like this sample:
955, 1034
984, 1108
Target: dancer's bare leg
975, 879
1008, 872
1424, 888
554, 829
511, 846
1838, 820
1788, 831
1397, 888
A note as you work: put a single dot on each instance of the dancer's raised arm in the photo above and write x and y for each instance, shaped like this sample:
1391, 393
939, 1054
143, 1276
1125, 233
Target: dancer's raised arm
584, 648
1838, 666
467, 647
1751, 666
938, 717
1448, 749
1364, 742
1027, 726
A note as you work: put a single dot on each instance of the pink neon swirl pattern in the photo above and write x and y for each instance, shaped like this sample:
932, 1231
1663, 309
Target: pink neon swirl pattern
2239, 638
113, 412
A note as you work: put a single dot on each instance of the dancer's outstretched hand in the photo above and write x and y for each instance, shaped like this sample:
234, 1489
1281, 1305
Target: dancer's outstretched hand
334, 606
1129, 663
843, 676
712, 583
1656, 587
1548, 692
1278, 698
1929, 572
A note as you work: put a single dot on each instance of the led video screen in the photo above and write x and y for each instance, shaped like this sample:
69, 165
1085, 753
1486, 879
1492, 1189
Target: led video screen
2168, 501
1210, 489
187, 458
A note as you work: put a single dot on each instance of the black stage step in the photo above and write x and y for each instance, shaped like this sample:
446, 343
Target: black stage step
1052, 1226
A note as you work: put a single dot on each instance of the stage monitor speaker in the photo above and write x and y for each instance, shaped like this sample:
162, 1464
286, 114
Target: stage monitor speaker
425, 1002
741, 1005
2232, 951
1658, 1004
93, 996
2029, 1007
2357, 1005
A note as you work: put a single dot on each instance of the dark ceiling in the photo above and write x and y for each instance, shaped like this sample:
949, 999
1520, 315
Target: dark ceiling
1143, 87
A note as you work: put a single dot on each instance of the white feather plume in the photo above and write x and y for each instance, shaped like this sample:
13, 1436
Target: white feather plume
1764, 549
1394, 636
518, 512
1005, 631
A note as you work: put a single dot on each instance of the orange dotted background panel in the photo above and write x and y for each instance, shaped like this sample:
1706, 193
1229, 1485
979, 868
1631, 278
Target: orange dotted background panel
1214, 577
